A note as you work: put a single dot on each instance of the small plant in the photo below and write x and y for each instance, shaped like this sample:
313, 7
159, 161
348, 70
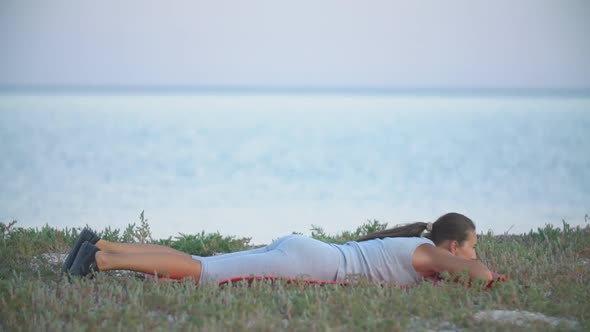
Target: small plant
110, 234
6, 229
129, 234
134, 233
143, 233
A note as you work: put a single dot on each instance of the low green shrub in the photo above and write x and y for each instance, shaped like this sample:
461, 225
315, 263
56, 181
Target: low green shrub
548, 271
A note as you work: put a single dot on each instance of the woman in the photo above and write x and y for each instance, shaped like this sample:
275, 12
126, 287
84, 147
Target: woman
397, 255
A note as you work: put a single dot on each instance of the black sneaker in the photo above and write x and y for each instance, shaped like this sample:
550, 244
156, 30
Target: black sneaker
85, 261
85, 235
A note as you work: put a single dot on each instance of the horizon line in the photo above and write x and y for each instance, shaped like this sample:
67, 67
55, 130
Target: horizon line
171, 89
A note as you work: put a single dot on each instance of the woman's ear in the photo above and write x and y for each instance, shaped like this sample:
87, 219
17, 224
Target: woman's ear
453, 246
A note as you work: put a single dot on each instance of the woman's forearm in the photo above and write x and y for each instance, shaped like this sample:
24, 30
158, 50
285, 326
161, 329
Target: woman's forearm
437, 260
477, 269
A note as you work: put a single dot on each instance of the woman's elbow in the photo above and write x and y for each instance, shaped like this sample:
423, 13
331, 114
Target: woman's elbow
488, 275
481, 271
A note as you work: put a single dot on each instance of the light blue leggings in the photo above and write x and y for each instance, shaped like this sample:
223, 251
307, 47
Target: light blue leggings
293, 256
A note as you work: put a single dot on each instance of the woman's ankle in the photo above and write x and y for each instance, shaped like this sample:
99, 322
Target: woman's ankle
103, 245
101, 260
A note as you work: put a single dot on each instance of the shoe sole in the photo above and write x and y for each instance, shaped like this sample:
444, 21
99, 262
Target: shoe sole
84, 236
85, 262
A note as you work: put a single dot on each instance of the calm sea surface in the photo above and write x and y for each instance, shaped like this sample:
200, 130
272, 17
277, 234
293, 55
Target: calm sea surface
264, 166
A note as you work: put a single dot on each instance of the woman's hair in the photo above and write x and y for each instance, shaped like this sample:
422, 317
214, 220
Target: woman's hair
451, 226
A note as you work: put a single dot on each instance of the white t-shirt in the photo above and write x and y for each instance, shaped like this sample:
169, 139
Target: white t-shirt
387, 260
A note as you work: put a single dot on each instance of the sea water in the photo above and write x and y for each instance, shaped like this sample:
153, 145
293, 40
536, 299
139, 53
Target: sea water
263, 166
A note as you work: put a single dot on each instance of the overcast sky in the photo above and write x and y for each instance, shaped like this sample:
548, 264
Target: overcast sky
330, 43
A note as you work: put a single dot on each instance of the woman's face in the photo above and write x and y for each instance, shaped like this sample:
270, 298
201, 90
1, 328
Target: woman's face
467, 250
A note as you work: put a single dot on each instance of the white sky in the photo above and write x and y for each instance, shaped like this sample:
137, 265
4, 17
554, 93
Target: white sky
371, 43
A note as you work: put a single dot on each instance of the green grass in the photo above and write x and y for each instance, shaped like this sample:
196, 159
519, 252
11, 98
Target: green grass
549, 272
